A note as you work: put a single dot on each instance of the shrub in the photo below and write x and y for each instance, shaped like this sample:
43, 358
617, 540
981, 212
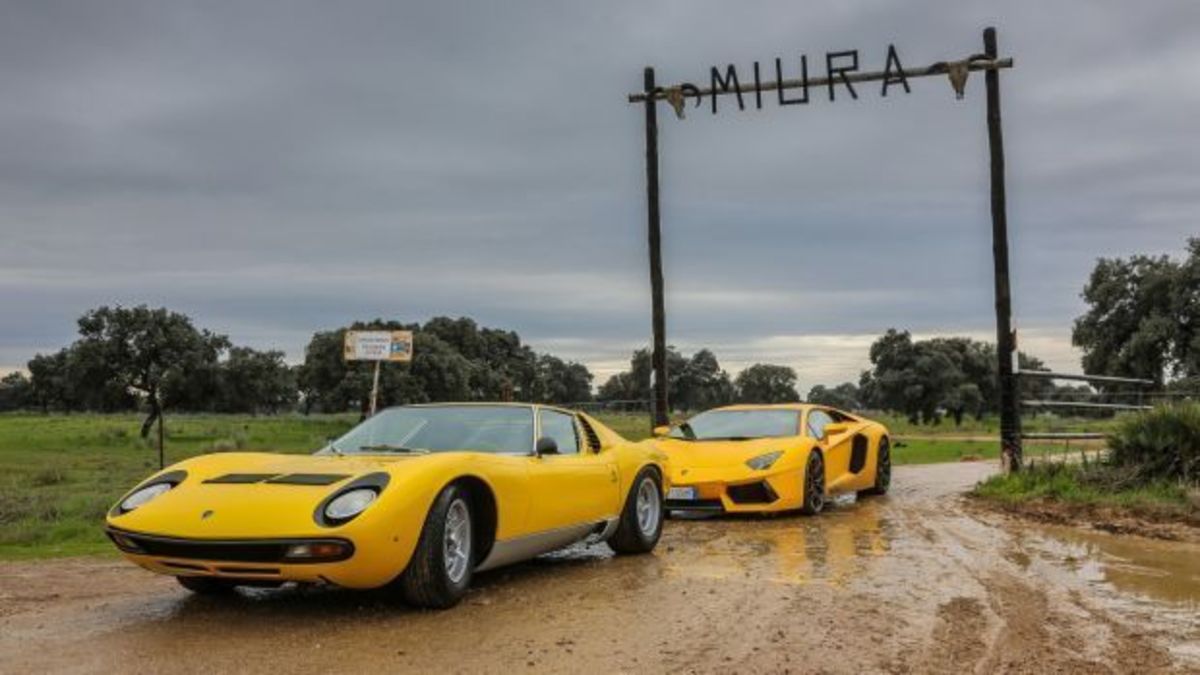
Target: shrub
1163, 443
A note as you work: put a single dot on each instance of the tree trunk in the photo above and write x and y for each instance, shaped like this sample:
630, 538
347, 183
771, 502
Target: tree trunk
155, 411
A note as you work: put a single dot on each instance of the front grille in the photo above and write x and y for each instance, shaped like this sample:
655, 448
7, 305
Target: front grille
751, 493
694, 505
247, 551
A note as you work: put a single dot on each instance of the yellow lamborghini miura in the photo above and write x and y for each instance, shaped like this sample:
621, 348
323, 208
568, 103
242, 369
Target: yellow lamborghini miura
416, 499
765, 458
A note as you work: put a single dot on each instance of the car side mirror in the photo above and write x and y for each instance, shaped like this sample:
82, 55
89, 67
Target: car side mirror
835, 429
546, 446
661, 432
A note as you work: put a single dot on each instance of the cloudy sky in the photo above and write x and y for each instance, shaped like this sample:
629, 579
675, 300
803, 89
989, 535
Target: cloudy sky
275, 168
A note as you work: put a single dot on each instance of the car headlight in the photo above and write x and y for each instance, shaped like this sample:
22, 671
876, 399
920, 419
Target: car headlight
350, 503
764, 461
144, 495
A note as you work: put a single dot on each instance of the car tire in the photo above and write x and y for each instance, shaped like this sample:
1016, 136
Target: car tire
207, 585
641, 519
813, 493
440, 570
883, 469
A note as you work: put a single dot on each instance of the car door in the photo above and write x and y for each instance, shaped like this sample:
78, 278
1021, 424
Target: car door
578, 485
835, 447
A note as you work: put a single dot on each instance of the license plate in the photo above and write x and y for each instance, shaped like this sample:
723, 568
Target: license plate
682, 493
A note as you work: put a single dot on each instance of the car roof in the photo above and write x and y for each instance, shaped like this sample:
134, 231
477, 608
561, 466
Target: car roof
799, 407
482, 404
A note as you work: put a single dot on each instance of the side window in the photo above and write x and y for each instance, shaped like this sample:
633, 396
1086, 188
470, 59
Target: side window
561, 427
817, 419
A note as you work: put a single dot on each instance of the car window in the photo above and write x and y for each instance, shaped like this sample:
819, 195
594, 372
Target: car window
443, 428
817, 419
738, 425
561, 427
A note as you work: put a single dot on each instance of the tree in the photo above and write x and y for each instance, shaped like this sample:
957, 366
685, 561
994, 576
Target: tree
16, 392
453, 360
844, 396
766, 383
694, 383
702, 384
1143, 317
142, 348
924, 379
560, 381
50, 386
253, 381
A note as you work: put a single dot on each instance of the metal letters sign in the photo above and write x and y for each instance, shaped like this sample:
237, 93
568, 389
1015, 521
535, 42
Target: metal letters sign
839, 73
378, 345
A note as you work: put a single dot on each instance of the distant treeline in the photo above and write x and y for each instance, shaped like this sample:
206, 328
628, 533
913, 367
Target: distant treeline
1143, 321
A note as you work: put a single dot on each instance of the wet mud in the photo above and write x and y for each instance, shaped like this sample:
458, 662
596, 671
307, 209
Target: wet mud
914, 582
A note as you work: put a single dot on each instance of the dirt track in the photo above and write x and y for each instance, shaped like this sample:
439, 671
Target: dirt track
908, 583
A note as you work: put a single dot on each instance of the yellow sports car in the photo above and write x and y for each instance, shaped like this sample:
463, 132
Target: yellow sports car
765, 458
415, 499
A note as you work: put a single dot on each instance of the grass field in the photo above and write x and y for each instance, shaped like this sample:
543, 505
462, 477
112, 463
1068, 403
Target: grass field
60, 473
1068, 483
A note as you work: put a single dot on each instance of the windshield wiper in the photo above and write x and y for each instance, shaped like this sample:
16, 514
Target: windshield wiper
384, 447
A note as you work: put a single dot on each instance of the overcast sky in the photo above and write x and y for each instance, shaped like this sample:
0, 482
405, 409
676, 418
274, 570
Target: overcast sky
276, 168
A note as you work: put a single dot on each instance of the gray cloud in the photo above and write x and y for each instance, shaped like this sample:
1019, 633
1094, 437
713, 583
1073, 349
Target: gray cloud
276, 168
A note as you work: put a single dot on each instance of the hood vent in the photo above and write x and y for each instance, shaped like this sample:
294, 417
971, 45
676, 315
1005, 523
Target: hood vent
309, 478
280, 479
241, 478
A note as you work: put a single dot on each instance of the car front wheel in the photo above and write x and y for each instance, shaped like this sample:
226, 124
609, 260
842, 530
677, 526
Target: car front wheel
440, 570
641, 520
814, 485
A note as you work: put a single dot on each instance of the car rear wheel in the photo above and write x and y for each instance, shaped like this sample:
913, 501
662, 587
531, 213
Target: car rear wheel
440, 570
207, 585
814, 485
883, 469
641, 520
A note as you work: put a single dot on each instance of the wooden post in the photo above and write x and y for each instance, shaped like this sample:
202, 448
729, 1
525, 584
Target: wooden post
1010, 419
658, 358
375, 389
162, 457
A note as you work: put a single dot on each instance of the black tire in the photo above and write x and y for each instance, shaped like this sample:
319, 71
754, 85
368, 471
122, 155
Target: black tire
430, 581
883, 469
635, 533
207, 585
814, 485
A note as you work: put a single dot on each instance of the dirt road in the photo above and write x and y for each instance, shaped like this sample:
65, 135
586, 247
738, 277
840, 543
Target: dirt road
907, 583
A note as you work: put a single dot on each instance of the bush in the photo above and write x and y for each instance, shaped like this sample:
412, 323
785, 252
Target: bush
1163, 443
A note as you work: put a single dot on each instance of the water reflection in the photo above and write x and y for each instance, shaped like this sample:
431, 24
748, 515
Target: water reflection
791, 549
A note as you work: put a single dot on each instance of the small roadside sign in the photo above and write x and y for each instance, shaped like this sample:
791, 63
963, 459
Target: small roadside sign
378, 345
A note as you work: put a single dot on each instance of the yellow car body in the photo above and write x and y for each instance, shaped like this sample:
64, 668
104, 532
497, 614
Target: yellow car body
241, 516
721, 475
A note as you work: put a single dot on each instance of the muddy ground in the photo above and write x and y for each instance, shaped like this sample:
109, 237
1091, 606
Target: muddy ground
913, 582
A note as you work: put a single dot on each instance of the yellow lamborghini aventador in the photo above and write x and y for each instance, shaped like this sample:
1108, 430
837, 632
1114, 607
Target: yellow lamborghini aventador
759, 458
416, 499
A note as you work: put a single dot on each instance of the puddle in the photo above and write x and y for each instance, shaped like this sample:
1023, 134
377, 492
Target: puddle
786, 549
1165, 571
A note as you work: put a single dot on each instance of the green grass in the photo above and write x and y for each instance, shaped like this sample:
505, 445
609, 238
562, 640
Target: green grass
990, 425
1080, 485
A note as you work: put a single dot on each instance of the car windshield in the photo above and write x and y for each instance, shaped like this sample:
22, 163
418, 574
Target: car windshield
423, 429
738, 424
